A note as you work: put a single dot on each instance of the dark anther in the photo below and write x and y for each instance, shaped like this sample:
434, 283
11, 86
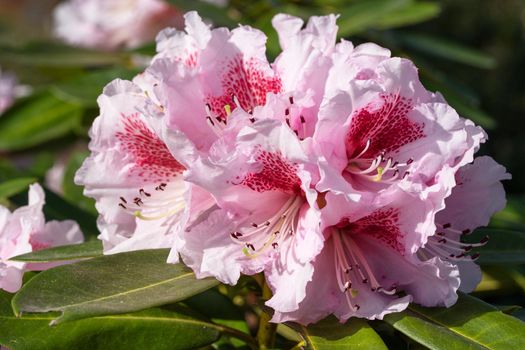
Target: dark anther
210, 120
288, 122
442, 240
233, 235
275, 245
291, 99
484, 240
465, 232
123, 199
286, 111
302, 119
141, 191
249, 245
122, 205
448, 225
254, 225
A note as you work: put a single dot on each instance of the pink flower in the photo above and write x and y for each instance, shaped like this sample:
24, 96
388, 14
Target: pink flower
9, 90
200, 76
261, 214
136, 182
24, 231
365, 265
478, 195
381, 132
109, 25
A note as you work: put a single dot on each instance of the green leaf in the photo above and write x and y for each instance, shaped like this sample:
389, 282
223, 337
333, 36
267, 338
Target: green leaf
85, 88
414, 13
330, 334
442, 48
503, 247
363, 15
153, 328
15, 186
109, 284
37, 119
55, 55
469, 324
90, 249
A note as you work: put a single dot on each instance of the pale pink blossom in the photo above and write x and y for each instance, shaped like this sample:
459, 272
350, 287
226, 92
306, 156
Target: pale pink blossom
201, 75
477, 196
135, 180
24, 231
112, 24
263, 214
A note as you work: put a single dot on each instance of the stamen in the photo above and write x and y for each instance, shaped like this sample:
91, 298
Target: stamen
272, 231
347, 254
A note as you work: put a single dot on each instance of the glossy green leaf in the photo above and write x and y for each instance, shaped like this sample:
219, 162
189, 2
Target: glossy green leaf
469, 324
414, 13
90, 249
503, 247
153, 328
12, 187
442, 48
87, 87
363, 15
36, 120
330, 334
117, 283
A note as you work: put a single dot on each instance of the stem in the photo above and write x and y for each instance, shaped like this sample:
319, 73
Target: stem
239, 335
267, 330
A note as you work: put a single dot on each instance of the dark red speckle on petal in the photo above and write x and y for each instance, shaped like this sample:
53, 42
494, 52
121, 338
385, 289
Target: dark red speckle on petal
246, 80
382, 225
385, 124
276, 174
153, 161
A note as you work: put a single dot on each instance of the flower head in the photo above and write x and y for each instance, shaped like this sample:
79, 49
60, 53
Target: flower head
24, 231
333, 170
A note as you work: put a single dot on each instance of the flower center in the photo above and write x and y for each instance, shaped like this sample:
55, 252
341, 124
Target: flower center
258, 237
351, 267
163, 203
378, 169
446, 244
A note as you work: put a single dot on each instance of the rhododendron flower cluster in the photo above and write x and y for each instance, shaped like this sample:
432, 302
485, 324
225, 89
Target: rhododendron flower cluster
24, 231
333, 171
103, 24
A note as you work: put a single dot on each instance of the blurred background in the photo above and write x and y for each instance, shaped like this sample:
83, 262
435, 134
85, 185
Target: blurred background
472, 51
